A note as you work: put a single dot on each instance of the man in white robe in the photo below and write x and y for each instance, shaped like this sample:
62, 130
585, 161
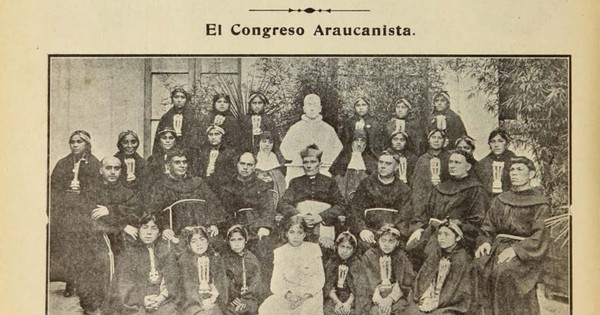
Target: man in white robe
310, 129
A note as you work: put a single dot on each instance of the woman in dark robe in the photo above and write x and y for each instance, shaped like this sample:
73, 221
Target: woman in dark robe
182, 119
402, 121
155, 168
446, 283
256, 122
215, 162
132, 164
363, 120
203, 277
430, 169
387, 289
356, 162
397, 143
344, 279
461, 197
493, 170
72, 175
146, 276
222, 116
243, 274
444, 118
513, 244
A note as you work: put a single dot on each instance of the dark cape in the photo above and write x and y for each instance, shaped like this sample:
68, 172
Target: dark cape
233, 137
411, 162
188, 268
355, 283
416, 132
67, 211
140, 171
372, 193
250, 142
421, 178
131, 282
169, 190
521, 214
462, 199
373, 129
189, 130
402, 273
225, 166
254, 281
484, 170
459, 287
455, 128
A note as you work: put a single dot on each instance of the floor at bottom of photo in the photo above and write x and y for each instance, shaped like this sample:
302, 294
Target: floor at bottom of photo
57, 304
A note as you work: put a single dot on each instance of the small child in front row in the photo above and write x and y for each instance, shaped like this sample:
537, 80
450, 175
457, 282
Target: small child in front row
389, 274
298, 277
446, 282
344, 279
203, 276
243, 274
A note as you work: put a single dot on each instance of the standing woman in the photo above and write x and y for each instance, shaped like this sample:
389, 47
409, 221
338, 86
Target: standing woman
402, 122
363, 121
155, 168
397, 144
180, 118
71, 176
222, 116
493, 170
430, 170
444, 118
133, 165
256, 122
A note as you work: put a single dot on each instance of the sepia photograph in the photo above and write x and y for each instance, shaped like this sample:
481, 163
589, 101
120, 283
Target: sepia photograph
309, 184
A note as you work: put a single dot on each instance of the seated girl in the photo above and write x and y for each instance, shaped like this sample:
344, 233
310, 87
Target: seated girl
446, 282
389, 274
222, 116
202, 275
243, 274
344, 279
145, 279
298, 276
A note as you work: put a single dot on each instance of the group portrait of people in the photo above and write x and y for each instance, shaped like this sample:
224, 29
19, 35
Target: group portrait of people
404, 221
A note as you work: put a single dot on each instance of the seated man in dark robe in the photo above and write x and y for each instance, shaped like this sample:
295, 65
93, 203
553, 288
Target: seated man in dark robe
462, 198
513, 243
316, 197
215, 161
113, 209
249, 201
204, 208
381, 198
